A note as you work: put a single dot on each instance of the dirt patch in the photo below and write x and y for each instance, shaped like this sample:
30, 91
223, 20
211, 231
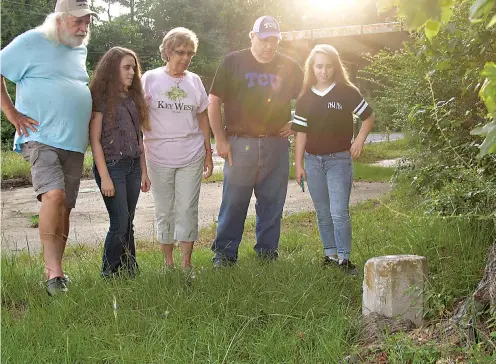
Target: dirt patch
89, 220
9, 184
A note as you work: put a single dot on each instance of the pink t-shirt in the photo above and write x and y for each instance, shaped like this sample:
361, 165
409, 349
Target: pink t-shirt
175, 139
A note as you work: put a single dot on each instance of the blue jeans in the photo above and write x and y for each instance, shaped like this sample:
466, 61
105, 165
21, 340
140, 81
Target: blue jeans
260, 165
119, 251
330, 178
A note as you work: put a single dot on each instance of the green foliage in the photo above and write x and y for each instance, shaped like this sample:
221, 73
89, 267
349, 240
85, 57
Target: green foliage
429, 15
395, 79
488, 94
431, 88
17, 16
7, 129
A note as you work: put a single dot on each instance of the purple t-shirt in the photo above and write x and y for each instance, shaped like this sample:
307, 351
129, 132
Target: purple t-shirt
120, 136
175, 139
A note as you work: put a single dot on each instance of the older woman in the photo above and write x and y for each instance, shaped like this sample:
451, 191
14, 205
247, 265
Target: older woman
178, 145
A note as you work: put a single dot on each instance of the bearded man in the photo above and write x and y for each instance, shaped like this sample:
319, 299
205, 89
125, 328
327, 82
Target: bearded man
51, 117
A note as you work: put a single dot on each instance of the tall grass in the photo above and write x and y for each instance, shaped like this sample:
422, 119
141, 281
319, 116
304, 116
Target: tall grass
292, 311
14, 165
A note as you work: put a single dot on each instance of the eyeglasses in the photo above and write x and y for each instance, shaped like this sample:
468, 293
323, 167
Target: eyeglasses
183, 53
274, 41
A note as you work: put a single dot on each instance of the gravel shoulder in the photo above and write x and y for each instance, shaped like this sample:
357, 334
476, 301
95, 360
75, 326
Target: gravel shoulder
89, 220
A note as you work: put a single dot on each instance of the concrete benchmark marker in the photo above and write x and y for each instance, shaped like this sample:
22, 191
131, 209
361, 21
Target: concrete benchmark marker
393, 285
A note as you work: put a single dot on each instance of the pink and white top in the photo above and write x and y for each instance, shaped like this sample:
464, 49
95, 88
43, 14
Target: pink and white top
175, 139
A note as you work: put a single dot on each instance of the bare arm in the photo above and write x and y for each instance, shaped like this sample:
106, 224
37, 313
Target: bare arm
215, 118
205, 128
300, 142
367, 126
145, 181
214, 115
96, 122
21, 122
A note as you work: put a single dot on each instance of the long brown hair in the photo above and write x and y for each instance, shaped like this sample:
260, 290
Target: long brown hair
105, 85
340, 73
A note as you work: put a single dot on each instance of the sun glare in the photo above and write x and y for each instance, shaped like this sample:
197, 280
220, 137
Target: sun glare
332, 5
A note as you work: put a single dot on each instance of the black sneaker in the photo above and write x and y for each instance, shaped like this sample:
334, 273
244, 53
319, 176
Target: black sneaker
67, 279
221, 262
329, 262
267, 257
348, 267
56, 285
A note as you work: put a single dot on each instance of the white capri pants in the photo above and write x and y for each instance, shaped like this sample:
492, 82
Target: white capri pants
176, 192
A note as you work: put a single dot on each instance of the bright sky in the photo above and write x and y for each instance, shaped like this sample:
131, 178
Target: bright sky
315, 6
115, 9
332, 5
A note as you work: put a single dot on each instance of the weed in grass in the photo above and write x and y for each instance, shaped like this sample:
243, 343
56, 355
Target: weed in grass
34, 221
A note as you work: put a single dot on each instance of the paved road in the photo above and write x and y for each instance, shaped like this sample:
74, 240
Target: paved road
380, 137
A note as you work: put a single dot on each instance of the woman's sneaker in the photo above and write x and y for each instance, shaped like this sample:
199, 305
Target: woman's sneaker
348, 267
56, 285
329, 262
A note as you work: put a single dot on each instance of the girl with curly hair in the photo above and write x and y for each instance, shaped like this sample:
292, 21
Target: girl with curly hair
119, 116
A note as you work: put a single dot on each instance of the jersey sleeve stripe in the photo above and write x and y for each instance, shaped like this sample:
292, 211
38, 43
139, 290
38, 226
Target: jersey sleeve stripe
362, 109
298, 121
358, 107
300, 117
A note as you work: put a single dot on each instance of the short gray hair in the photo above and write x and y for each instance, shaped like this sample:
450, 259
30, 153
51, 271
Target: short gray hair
175, 38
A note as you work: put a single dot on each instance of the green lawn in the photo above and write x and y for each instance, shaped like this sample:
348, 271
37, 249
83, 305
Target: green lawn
292, 311
373, 152
14, 166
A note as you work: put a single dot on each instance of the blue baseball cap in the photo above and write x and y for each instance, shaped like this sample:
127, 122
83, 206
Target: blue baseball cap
266, 26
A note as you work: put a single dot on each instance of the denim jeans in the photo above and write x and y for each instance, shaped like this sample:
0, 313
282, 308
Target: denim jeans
260, 165
330, 178
119, 251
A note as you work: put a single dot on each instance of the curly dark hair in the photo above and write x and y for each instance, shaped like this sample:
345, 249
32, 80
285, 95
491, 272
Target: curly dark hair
105, 85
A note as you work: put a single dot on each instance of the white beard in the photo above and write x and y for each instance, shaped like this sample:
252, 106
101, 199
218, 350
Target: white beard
73, 41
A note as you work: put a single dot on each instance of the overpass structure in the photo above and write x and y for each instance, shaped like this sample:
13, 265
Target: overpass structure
352, 42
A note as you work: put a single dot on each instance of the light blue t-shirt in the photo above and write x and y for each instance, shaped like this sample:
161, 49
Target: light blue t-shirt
51, 88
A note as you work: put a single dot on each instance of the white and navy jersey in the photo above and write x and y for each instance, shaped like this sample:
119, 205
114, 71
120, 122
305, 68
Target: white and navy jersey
327, 117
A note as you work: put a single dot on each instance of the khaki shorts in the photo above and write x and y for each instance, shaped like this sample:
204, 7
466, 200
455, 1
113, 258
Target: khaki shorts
54, 169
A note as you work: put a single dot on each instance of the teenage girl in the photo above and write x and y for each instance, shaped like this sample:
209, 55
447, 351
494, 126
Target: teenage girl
324, 124
119, 115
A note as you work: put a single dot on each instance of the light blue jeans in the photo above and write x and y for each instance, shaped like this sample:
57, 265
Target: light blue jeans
330, 177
